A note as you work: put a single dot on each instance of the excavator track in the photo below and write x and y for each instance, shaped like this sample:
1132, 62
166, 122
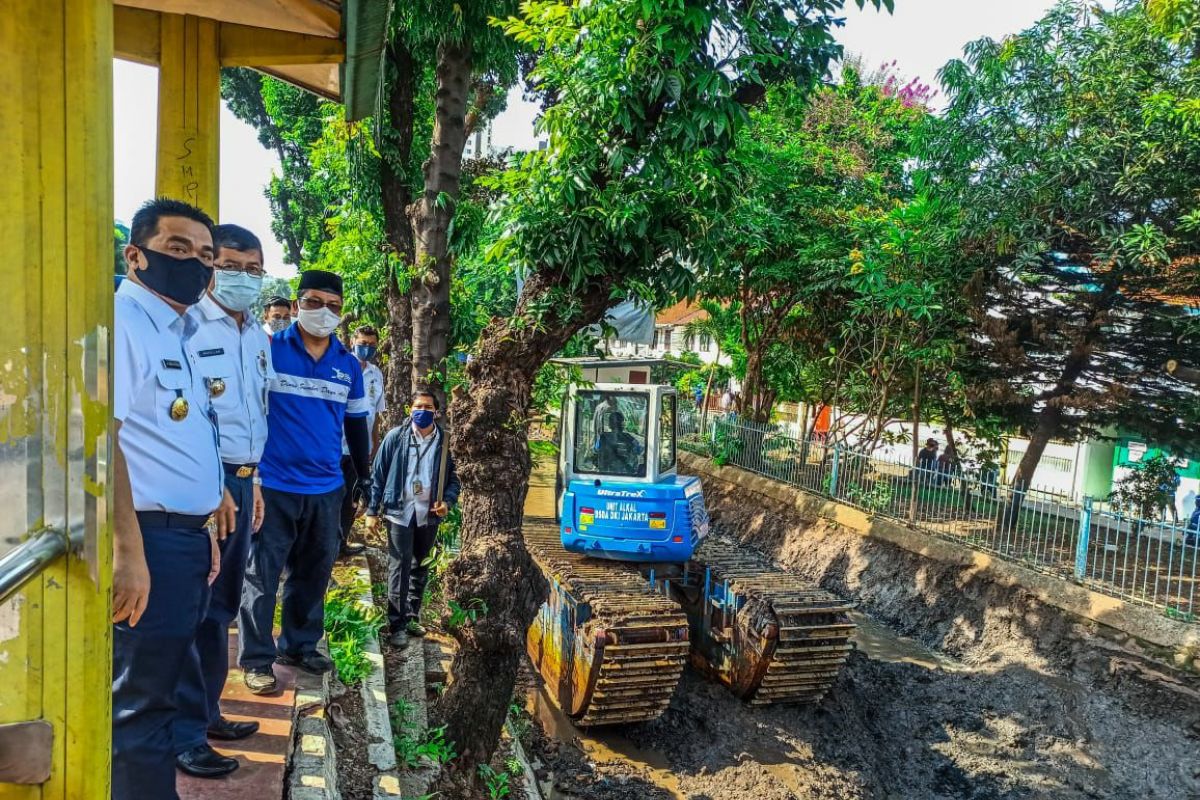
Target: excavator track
611, 642
610, 649
766, 633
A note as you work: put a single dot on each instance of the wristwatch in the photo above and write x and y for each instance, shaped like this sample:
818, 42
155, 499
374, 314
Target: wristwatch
256, 480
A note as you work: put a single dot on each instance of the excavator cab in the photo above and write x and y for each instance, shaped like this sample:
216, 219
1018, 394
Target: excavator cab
619, 496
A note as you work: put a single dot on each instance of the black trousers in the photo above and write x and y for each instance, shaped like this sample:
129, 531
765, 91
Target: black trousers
350, 478
299, 535
408, 546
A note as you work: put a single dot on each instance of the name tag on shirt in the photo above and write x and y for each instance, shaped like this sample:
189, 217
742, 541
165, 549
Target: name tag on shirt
216, 351
170, 363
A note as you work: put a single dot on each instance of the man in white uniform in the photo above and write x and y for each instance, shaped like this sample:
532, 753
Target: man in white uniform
167, 481
365, 346
235, 362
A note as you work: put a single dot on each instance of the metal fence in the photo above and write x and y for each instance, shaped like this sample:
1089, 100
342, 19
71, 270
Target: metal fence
1146, 561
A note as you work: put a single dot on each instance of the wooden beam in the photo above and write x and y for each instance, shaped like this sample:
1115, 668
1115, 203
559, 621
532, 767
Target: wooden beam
246, 46
137, 35
189, 106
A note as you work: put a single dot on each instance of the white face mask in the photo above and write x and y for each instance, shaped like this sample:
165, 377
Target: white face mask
277, 325
237, 291
319, 323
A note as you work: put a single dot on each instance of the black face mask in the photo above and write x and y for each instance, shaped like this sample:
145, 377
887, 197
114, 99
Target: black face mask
180, 279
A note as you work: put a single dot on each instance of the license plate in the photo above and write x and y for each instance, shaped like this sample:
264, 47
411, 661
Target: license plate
661, 524
586, 519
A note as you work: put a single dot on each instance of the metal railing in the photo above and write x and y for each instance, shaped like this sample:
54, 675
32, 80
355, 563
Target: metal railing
27, 560
1145, 561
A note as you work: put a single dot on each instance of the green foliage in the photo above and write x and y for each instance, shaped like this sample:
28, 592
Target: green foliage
349, 626
120, 239
495, 782
413, 743
727, 444
1150, 486
541, 451
465, 614
1076, 175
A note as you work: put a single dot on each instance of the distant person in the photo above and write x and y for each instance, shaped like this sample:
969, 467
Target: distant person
277, 315
365, 346
620, 453
1192, 532
698, 396
1167, 491
406, 491
927, 459
947, 464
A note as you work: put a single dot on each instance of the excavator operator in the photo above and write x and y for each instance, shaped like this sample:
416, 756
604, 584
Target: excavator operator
619, 452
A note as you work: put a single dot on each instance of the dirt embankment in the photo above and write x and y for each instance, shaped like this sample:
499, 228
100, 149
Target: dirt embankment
1032, 704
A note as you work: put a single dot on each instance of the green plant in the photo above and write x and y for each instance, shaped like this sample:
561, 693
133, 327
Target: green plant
461, 615
726, 445
349, 625
412, 742
541, 450
514, 767
875, 499
518, 722
1149, 487
496, 782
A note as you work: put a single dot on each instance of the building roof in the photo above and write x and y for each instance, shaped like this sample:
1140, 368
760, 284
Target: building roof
681, 313
592, 362
333, 48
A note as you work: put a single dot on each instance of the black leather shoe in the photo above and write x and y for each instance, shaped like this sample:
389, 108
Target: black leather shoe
226, 730
204, 762
314, 663
349, 549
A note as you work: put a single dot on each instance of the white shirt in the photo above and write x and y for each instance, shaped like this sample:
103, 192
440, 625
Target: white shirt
241, 360
422, 449
173, 464
376, 403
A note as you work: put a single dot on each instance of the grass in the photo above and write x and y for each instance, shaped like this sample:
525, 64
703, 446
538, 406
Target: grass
349, 626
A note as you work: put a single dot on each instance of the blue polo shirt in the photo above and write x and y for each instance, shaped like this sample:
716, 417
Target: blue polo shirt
309, 401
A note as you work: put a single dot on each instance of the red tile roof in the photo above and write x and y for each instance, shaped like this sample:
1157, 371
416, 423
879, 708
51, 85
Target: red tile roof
681, 313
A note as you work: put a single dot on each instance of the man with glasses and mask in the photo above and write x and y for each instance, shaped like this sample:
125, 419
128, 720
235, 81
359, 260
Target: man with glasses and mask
364, 345
167, 481
234, 358
316, 396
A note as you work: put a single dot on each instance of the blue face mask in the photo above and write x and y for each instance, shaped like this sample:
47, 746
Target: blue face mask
422, 417
365, 352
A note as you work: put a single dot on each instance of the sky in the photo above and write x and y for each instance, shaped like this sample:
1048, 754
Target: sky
921, 36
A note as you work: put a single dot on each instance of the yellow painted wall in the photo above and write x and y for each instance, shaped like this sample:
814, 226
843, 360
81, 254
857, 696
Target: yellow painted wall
56, 256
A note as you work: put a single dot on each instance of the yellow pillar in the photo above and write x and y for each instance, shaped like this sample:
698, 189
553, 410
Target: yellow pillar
189, 106
56, 255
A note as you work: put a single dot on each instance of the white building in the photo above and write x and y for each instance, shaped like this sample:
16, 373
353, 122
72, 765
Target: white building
671, 339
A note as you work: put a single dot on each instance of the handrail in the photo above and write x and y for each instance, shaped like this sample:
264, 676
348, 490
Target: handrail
29, 558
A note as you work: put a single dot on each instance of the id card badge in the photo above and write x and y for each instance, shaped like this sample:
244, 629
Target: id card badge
417, 488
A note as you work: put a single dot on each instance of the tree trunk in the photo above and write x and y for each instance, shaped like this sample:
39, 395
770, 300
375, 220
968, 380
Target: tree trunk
431, 216
396, 195
753, 392
1049, 419
492, 454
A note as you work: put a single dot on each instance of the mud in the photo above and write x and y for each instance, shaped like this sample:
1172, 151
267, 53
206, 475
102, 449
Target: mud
959, 689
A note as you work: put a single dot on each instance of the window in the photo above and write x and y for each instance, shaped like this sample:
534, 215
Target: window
666, 338
610, 433
666, 434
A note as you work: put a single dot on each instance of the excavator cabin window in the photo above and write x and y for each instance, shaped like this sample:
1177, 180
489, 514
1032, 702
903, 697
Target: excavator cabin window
610, 433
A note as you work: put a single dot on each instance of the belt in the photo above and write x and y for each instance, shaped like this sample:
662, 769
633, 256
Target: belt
163, 519
239, 470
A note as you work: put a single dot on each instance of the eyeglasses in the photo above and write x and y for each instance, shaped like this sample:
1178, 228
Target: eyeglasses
313, 303
230, 268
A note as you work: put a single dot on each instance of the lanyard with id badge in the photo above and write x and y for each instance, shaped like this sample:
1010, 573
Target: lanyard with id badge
418, 488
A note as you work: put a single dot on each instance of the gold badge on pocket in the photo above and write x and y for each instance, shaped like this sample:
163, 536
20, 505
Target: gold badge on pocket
216, 386
179, 407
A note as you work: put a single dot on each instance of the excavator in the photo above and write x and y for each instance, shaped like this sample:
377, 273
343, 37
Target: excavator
638, 587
